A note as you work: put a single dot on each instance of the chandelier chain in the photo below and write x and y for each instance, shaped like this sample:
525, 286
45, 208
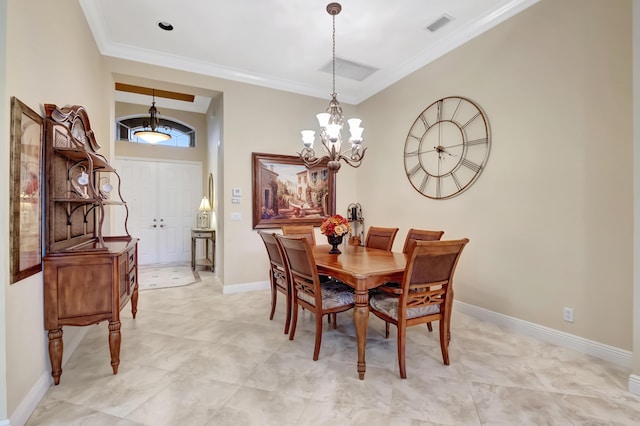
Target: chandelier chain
334, 54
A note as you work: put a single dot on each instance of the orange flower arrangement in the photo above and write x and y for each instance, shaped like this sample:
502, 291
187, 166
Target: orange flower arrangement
335, 226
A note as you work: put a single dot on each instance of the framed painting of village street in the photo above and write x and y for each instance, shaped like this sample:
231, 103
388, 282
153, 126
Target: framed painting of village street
286, 192
26, 196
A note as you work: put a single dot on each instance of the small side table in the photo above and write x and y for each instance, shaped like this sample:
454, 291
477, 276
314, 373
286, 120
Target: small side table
209, 236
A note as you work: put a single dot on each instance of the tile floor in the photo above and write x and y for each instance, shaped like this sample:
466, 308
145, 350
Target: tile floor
152, 277
197, 357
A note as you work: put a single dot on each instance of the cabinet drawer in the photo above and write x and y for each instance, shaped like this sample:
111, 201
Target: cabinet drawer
132, 282
131, 259
202, 235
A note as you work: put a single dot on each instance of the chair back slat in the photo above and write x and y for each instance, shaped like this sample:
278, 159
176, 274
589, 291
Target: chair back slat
380, 238
414, 235
428, 276
300, 231
273, 251
302, 265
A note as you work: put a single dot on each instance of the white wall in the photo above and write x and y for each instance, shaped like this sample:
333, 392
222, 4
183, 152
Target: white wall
550, 218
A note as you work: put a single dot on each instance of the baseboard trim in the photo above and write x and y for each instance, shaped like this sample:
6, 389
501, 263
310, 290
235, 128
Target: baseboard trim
31, 401
246, 287
634, 384
599, 350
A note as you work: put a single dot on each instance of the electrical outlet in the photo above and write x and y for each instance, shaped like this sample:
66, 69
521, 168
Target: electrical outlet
567, 314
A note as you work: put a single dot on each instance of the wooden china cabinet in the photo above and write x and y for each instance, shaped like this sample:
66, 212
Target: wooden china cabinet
88, 277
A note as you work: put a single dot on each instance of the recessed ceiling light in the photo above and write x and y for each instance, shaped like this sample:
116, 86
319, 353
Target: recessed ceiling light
165, 26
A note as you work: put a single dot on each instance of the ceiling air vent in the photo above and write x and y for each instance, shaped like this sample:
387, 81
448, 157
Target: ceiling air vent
439, 23
348, 69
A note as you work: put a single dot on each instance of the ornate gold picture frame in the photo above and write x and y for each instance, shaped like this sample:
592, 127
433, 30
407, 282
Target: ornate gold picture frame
286, 192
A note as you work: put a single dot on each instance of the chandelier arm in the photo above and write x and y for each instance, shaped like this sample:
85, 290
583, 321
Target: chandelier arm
328, 146
354, 161
308, 157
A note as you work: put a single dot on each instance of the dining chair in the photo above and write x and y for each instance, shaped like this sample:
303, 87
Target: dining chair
300, 230
380, 238
320, 298
414, 235
425, 294
278, 276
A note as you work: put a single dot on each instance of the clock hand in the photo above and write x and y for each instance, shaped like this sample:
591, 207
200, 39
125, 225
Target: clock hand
443, 150
416, 152
453, 146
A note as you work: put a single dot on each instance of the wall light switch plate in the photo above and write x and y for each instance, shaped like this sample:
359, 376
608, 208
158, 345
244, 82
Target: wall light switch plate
236, 192
236, 216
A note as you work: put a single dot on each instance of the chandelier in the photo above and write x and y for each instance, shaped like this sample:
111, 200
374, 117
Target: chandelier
331, 125
152, 136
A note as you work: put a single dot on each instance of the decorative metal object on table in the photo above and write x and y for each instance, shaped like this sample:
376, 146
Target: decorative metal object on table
335, 228
354, 216
331, 123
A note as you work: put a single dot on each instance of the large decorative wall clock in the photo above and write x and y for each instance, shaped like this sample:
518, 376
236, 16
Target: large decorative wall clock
447, 147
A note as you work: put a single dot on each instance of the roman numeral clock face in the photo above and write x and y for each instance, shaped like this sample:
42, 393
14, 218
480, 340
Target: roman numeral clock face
447, 147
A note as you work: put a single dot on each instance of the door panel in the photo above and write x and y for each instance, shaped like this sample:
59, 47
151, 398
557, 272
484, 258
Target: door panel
163, 200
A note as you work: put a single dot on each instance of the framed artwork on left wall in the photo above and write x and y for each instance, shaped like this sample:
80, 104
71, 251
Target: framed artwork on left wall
27, 132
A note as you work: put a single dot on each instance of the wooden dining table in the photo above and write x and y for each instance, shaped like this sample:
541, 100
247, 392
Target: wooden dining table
363, 269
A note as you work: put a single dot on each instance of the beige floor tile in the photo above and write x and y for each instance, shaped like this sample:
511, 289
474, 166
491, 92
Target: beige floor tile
195, 356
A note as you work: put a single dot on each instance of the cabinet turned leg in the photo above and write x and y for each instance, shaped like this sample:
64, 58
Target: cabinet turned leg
134, 302
114, 344
55, 354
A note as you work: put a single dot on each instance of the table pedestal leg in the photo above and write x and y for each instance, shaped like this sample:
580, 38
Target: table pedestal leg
361, 319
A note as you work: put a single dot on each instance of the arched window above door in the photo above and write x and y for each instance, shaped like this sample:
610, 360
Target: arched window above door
182, 135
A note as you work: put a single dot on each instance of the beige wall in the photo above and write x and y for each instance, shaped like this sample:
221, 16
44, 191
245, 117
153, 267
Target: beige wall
4, 212
636, 194
215, 118
550, 219
40, 56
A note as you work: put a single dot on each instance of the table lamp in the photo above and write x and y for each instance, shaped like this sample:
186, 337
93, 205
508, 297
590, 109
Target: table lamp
203, 213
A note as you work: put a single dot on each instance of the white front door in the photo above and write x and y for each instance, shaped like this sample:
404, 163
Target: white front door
162, 198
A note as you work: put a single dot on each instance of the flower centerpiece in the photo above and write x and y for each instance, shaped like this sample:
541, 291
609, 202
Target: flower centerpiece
335, 227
